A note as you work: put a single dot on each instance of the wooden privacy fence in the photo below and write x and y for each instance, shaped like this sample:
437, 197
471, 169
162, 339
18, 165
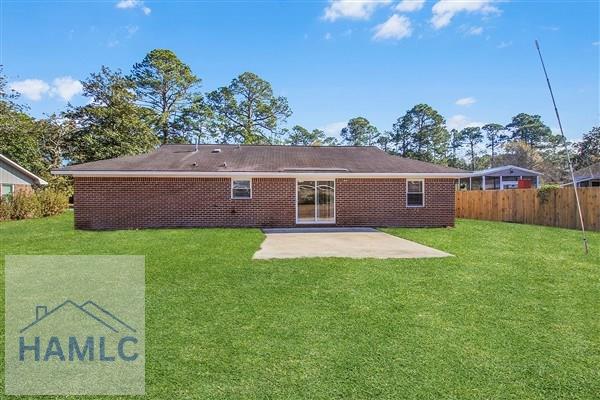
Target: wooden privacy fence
555, 208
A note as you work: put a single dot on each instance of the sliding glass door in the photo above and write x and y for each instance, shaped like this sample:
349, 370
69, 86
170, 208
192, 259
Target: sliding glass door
316, 201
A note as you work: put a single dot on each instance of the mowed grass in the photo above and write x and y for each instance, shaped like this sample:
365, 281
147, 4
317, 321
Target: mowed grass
514, 315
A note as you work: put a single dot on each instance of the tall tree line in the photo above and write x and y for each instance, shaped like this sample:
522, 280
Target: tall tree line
421, 134
160, 101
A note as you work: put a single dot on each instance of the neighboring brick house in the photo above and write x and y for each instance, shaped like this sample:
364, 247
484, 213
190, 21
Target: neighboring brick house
262, 186
14, 178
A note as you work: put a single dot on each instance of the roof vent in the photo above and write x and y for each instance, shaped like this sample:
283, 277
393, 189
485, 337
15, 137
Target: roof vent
318, 169
216, 151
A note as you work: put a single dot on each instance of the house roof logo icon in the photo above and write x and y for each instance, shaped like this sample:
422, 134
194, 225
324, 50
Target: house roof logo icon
88, 309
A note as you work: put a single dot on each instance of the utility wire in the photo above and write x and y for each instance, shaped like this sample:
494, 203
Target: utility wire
583, 234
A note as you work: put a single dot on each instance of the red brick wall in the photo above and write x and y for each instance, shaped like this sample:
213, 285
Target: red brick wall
382, 202
125, 203
118, 203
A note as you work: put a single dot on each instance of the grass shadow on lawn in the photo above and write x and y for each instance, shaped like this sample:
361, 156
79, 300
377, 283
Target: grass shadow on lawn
513, 315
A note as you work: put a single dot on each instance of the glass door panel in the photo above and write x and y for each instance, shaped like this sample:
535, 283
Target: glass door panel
306, 201
325, 201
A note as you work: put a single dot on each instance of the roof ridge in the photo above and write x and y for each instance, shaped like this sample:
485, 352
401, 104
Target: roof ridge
266, 145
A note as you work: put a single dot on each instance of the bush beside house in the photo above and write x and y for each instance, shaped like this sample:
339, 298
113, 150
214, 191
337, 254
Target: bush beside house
34, 204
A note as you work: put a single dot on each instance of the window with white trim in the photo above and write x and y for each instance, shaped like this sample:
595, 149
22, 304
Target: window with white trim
415, 193
7, 189
241, 188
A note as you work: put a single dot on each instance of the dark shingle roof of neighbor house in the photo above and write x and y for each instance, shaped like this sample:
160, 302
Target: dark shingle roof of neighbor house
589, 172
228, 158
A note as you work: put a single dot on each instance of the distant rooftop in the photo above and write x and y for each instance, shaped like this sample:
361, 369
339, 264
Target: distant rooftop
24, 171
506, 170
589, 172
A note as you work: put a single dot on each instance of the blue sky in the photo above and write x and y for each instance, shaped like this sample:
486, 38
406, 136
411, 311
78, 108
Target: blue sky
474, 61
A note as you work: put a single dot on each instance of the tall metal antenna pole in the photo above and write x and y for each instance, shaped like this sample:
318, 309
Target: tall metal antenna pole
584, 237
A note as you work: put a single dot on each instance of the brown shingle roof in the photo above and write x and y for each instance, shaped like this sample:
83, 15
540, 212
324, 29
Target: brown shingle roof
264, 159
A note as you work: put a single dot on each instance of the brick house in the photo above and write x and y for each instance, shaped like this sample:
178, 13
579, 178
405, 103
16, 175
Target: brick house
14, 178
261, 186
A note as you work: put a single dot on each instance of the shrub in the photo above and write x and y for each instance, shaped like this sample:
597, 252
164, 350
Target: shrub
61, 184
52, 202
545, 191
4, 209
24, 205
33, 204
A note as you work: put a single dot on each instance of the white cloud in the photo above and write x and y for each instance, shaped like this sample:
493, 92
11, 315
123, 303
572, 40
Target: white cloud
327, 36
410, 5
131, 30
466, 101
396, 27
596, 43
352, 9
130, 4
333, 128
445, 10
66, 87
503, 45
460, 122
474, 30
33, 89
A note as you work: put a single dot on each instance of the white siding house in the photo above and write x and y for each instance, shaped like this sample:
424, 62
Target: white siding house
500, 178
14, 178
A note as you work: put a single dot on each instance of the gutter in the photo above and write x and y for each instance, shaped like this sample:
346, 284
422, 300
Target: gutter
194, 174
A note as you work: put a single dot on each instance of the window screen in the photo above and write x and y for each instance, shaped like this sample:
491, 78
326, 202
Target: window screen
414, 193
241, 189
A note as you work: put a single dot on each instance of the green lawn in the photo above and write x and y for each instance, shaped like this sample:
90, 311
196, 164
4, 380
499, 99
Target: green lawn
516, 314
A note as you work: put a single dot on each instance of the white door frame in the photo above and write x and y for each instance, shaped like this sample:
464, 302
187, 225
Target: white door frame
315, 180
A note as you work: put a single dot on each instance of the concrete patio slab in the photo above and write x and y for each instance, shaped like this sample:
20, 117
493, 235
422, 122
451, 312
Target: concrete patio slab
351, 244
